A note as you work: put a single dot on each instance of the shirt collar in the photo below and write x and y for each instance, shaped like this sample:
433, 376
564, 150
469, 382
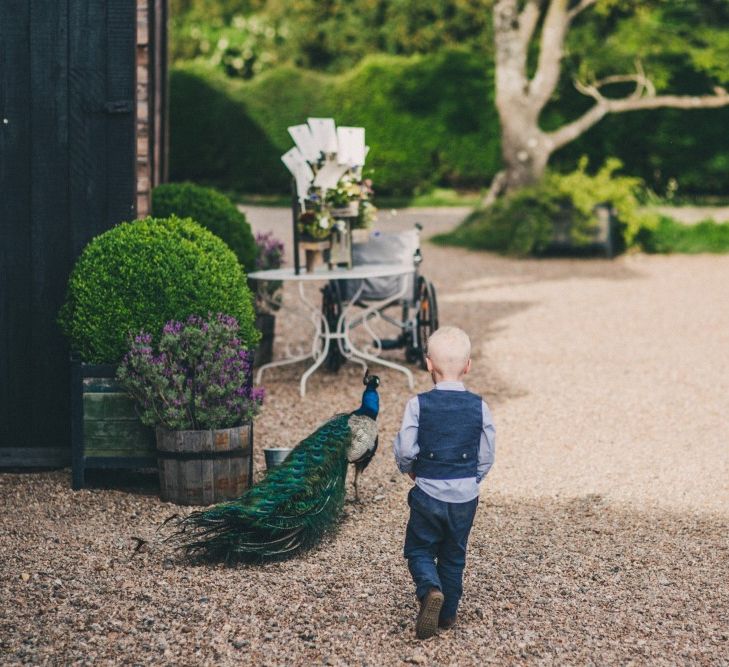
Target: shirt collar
451, 385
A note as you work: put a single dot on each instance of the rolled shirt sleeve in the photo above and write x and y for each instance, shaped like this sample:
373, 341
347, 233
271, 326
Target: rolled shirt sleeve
487, 446
405, 445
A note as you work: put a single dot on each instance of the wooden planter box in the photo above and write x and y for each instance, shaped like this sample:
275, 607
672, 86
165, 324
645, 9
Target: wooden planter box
105, 429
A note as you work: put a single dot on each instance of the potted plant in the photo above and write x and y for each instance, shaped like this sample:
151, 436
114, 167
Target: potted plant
137, 276
315, 225
194, 388
270, 255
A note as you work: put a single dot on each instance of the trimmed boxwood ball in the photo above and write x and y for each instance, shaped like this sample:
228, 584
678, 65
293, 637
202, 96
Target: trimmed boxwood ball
213, 210
140, 274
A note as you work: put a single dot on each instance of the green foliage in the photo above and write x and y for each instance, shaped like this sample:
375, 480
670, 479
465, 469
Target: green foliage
519, 224
429, 120
246, 38
523, 222
141, 274
242, 46
211, 209
670, 236
586, 191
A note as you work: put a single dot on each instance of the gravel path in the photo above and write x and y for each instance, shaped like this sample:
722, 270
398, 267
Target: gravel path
602, 535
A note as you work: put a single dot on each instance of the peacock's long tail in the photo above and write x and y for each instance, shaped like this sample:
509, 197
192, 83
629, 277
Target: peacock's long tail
288, 511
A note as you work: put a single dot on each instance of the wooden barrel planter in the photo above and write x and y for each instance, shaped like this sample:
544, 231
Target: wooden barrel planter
204, 467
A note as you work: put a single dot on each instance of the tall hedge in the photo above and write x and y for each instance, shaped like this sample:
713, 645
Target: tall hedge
140, 274
429, 120
211, 209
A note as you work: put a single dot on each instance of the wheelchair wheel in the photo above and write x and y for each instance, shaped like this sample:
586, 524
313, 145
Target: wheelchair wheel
426, 319
331, 306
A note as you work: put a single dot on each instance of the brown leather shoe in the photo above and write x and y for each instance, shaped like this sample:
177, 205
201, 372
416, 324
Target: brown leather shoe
447, 623
427, 623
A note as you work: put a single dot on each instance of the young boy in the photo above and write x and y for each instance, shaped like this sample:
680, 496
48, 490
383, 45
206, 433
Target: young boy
446, 445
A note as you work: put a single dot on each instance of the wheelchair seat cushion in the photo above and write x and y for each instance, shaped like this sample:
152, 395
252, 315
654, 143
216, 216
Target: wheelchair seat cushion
396, 248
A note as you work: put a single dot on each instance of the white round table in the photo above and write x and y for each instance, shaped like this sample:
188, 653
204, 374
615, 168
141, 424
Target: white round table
323, 335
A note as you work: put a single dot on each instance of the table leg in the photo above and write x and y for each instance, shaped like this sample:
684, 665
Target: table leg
320, 340
355, 354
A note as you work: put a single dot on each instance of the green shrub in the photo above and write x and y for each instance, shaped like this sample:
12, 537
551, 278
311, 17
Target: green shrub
213, 210
517, 225
523, 223
141, 274
671, 236
429, 120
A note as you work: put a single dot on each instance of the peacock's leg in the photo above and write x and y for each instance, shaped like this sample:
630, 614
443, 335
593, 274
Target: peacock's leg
356, 489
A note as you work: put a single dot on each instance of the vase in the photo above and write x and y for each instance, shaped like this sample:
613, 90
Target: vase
275, 456
312, 259
204, 467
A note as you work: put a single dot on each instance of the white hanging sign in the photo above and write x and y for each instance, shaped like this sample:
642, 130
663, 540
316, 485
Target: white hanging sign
352, 150
304, 140
324, 134
299, 167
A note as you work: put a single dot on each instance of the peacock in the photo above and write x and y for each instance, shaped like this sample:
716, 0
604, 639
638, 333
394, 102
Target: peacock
297, 502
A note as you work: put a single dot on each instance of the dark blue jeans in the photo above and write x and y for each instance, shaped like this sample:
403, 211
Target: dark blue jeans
435, 546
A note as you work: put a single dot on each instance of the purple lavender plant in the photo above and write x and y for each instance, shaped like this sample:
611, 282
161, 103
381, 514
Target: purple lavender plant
270, 256
197, 378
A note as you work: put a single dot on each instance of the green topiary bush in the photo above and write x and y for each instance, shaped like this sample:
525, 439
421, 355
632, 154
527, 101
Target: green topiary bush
213, 210
141, 274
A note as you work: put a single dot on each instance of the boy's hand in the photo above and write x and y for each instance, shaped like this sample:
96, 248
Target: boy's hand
411, 475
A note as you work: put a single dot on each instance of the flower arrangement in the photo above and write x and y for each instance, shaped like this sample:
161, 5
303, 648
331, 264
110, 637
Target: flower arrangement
315, 221
319, 219
270, 255
198, 378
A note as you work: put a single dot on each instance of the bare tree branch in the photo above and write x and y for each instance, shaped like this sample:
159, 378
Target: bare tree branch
528, 19
634, 102
511, 52
551, 47
571, 131
579, 7
721, 99
496, 189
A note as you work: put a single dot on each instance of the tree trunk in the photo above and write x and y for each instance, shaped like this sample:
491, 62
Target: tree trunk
524, 150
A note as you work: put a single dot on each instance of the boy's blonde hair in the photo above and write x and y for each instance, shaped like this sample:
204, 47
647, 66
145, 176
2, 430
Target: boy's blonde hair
449, 348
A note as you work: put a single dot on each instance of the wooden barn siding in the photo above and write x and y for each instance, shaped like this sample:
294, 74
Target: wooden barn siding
67, 151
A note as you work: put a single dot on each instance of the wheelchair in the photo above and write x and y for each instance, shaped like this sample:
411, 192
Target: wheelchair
409, 302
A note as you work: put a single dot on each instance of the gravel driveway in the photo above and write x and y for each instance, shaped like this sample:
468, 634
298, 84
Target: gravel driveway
602, 536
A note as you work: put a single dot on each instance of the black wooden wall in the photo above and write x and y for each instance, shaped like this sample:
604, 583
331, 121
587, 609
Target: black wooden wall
67, 173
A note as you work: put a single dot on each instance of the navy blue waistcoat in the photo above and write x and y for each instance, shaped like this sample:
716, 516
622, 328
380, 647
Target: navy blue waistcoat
449, 434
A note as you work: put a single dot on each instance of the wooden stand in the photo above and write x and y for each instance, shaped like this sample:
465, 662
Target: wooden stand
314, 253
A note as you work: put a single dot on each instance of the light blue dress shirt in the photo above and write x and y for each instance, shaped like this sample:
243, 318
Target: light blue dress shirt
406, 451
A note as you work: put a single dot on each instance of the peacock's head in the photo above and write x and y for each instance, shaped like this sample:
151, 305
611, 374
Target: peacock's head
371, 381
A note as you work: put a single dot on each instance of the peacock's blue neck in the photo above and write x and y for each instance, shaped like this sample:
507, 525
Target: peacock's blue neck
370, 404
